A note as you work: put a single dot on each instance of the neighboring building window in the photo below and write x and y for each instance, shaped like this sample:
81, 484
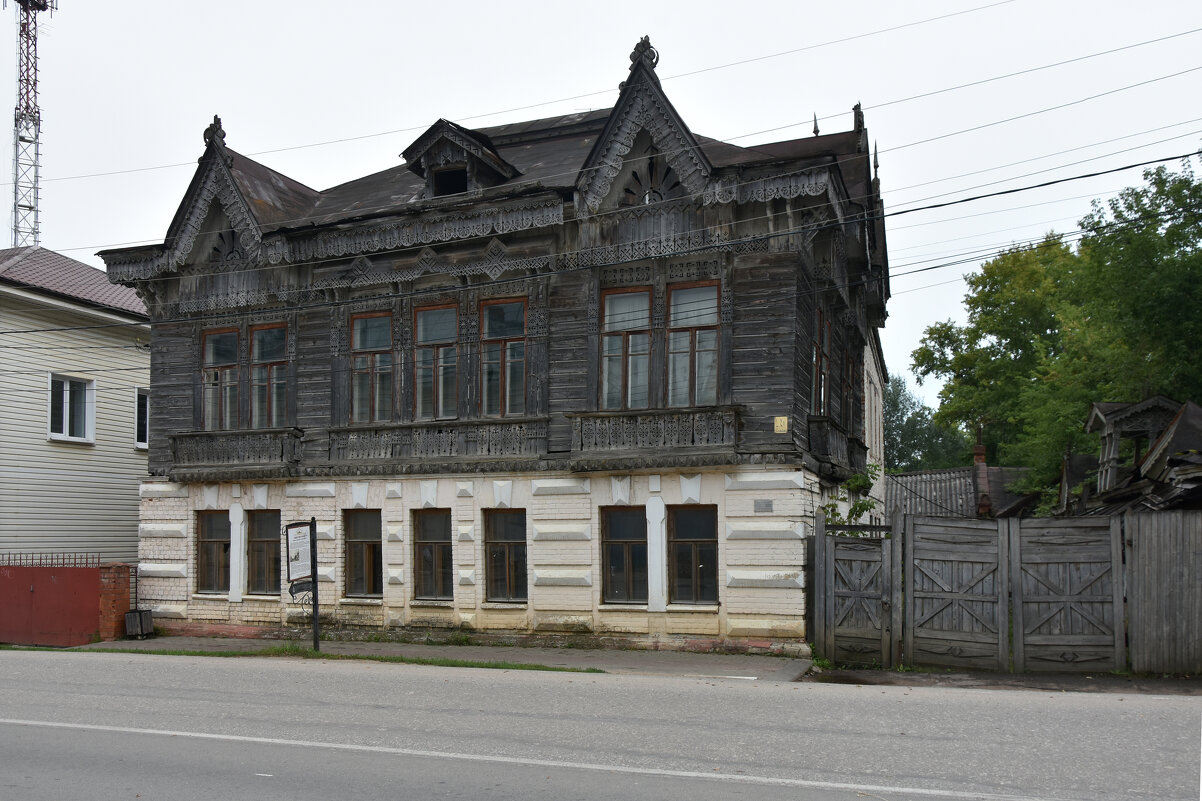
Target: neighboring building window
220, 377
72, 408
213, 551
434, 363
263, 553
432, 554
268, 376
693, 345
505, 554
626, 350
142, 418
364, 567
822, 359
624, 554
371, 368
503, 357
693, 554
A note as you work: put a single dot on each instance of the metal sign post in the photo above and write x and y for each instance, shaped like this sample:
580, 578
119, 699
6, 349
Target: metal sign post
302, 572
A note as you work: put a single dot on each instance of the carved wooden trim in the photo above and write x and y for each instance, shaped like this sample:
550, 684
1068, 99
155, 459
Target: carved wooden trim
654, 430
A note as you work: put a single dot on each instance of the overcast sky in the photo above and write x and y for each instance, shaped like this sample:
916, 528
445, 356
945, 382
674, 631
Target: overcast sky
329, 91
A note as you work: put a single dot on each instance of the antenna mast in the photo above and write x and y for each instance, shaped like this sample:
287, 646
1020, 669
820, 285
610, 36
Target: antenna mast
27, 124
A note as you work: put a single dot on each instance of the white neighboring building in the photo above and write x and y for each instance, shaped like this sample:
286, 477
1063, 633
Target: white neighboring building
74, 369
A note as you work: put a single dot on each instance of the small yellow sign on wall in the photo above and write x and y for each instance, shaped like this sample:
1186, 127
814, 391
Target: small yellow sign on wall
780, 425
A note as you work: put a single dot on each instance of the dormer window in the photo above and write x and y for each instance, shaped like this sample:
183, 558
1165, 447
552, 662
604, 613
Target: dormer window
449, 180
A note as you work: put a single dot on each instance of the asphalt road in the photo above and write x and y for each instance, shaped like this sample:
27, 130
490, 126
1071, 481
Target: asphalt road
125, 726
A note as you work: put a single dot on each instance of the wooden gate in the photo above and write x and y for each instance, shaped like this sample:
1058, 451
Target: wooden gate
853, 618
1067, 594
1164, 591
957, 582
1038, 594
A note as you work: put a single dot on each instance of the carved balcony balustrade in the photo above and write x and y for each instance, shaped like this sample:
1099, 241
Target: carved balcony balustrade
599, 433
245, 453
447, 440
857, 455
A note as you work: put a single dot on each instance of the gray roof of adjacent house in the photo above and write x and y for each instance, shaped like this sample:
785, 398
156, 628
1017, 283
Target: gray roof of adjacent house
47, 272
954, 492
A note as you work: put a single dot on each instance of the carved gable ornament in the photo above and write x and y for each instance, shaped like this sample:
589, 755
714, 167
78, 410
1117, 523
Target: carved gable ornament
447, 148
674, 162
213, 229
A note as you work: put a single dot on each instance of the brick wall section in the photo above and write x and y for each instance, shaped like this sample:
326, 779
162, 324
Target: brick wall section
114, 599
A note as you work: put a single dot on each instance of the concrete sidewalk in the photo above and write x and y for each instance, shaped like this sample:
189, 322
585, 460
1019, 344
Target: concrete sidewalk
674, 663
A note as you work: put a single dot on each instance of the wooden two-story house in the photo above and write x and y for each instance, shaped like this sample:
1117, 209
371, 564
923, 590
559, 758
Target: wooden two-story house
584, 374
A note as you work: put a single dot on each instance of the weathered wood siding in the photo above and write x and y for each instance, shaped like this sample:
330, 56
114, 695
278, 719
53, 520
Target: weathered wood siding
1164, 591
68, 496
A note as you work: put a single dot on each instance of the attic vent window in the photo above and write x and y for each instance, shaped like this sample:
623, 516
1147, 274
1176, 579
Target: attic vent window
450, 180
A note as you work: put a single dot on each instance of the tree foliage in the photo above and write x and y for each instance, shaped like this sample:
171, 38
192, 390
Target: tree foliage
1051, 330
913, 440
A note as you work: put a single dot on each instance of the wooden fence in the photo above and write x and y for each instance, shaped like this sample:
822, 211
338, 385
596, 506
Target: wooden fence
1022, 595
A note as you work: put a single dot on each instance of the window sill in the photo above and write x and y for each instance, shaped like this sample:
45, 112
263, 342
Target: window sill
71, 440
260, 597
711, 609
620, 607
504, 604
215, 595
141, 446
361, 601
431, 603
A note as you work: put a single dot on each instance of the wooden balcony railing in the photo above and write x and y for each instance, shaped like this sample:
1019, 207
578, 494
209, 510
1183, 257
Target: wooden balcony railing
276, 448
450, 439
664, 429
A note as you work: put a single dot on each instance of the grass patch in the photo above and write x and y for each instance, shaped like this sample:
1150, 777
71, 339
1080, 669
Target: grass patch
294, 650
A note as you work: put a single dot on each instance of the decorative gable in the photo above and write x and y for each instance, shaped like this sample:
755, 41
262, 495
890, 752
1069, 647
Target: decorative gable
454, 160
646, 153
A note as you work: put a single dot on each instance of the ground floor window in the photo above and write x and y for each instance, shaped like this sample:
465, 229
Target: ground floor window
693, 554
624, 554
363, 564
505, 548
432, 566
213, 551
263, 553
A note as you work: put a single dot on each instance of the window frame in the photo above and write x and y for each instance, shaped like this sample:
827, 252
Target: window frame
223, 371
693, 352
277, 379
629, 592
437, 366
820, 398
210, 555
625, 357
65, 406
266, 555
371, 557
142, 418
442, 566
516, 574
504, 362
696, 578
373, 372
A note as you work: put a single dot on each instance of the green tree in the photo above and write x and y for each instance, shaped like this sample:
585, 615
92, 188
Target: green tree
913, 440
1051, 331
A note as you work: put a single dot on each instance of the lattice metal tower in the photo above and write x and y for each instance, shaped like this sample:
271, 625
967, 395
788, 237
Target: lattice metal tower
27, 124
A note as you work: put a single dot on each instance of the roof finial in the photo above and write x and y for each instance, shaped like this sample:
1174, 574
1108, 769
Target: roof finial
815, 123
215, 133
876, 161
643, 51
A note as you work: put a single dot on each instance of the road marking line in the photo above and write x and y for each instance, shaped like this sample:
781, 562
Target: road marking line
543, 763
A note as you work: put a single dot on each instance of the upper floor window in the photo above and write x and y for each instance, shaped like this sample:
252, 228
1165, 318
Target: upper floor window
220, 378
435, 362
693, 345
626, 350
142, 418
449, 180
371, 368
822, 365
72, 412
268, 376
503, 357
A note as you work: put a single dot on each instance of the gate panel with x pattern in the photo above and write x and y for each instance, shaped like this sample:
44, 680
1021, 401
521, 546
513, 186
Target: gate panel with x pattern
1067, 594
956, 593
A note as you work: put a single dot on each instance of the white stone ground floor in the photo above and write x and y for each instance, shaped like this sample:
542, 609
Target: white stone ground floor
762, 518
